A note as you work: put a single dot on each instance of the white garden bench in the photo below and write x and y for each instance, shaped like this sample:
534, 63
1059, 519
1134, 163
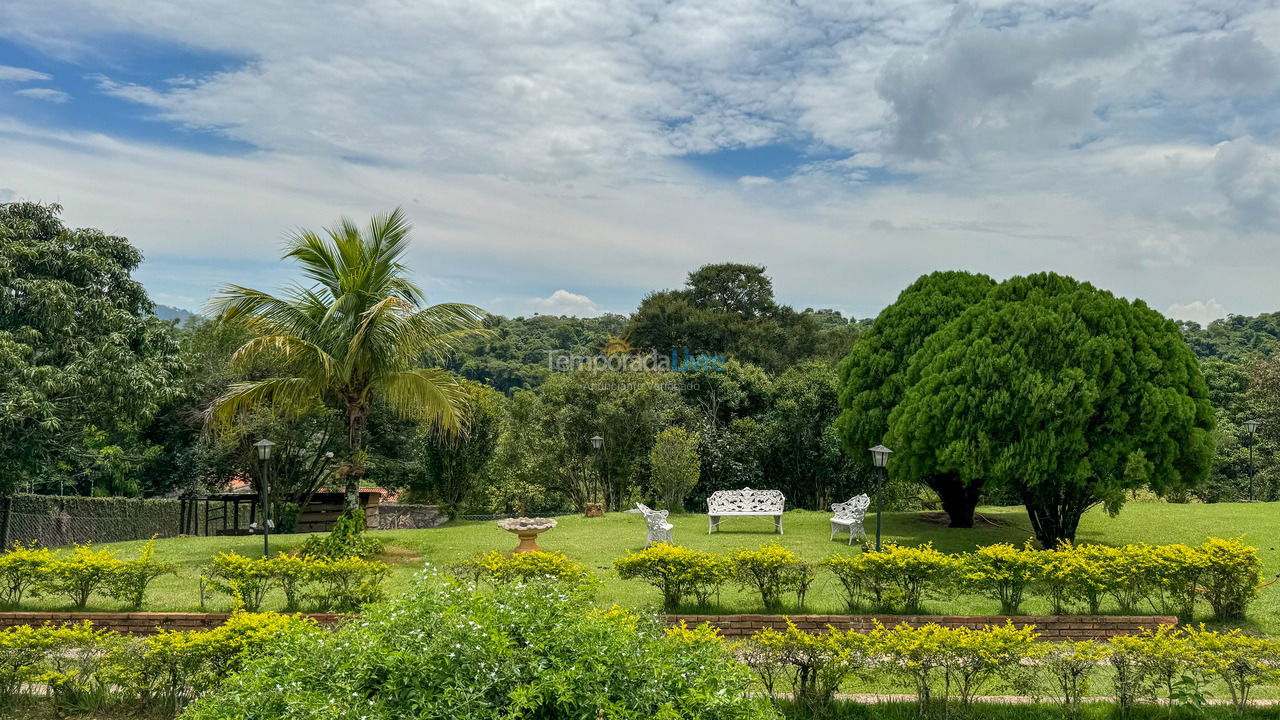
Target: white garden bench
656, 521
745, 503
849, 516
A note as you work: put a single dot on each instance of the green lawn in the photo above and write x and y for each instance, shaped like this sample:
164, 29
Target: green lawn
598, 541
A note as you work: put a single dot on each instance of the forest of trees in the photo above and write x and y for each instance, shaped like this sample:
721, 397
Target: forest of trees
102, 397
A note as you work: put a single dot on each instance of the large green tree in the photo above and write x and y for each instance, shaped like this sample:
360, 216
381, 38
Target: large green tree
450, 468
873, 376
1063, 394
83, 362
729, 309
357, 335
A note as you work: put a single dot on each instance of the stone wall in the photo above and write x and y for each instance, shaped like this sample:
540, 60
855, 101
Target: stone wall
1050, 627
404, 516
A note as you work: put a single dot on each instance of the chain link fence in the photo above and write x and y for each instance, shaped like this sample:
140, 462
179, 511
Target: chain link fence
53, 521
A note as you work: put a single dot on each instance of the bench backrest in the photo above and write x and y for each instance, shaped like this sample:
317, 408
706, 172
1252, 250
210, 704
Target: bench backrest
854, 509
745, 500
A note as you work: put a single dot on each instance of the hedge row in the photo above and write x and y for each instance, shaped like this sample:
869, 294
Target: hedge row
77, 576
340, 584
946, 665
326, 584
1223, 574
83, 669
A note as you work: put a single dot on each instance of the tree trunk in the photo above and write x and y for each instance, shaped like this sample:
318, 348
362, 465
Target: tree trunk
1055, 514
958, 499
356, 418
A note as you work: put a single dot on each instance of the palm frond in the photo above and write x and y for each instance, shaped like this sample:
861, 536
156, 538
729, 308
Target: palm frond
290, 395
431, 395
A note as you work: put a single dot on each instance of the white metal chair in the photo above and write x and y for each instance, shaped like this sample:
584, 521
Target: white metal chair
849, 516
656, 521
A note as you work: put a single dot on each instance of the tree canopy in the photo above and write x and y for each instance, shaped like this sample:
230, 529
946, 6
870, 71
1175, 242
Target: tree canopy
357, 335
83, 362
873, 376
1060, 392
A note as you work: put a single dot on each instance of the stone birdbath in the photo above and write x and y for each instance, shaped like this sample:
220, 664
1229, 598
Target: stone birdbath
527, 530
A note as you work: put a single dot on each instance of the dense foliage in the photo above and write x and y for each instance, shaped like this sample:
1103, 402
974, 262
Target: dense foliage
874, 376
83, 363
451, 650
1219, 575
1070, 397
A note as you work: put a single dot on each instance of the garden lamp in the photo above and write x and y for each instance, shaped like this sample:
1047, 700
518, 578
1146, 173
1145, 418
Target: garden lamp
263, 447
1252, 427
880, 458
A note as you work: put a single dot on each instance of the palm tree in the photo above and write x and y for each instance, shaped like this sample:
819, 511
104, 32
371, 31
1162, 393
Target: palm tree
357, 334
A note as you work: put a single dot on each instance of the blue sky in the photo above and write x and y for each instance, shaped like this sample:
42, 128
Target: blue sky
568, 157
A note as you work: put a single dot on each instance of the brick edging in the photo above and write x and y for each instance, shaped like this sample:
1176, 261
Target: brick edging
137, 623
1050, 627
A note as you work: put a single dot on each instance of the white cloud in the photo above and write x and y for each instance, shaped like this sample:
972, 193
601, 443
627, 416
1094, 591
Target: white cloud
1248, 176
563, 302
1199, 311
45, 94
533, 142
9, 73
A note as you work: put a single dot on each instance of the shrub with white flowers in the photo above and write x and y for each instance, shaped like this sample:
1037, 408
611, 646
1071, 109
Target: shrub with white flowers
450, 649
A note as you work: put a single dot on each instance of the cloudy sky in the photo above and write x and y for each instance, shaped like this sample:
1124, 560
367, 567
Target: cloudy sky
564, 156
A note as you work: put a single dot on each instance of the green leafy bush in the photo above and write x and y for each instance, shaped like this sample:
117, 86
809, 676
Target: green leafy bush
895, 577
348, 538
677, 571
346, 584
80, 574
21, 569
772, 570
180, 666
245, 580
810, 666
1232, 573
449, 649
131, 578
1002, 572
525, 567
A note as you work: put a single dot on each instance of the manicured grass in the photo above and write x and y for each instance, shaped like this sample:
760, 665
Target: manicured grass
597, 542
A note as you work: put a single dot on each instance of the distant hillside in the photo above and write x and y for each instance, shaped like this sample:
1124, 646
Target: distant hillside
168, 312
1235, 338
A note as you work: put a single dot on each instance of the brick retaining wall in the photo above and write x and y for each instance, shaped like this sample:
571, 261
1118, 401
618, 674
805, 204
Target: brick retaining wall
136, 623
1050, 627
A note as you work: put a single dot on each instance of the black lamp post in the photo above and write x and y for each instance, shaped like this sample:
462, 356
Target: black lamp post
263, 447
597, 444
880, 458
1252, 427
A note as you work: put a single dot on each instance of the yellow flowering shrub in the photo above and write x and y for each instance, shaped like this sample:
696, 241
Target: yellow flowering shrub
676, 571
809, 665
1232, 573
896, 577
1242, 662
772, 570
21, 568
80, 573
1001, 572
